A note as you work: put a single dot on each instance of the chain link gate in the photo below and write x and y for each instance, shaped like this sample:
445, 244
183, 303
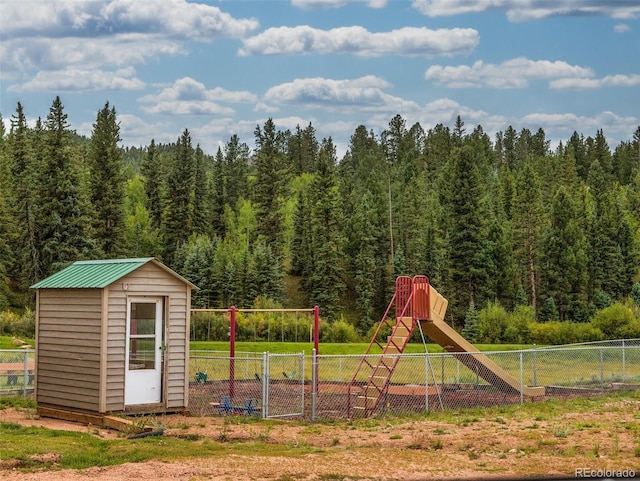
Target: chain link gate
273, 384
283, 384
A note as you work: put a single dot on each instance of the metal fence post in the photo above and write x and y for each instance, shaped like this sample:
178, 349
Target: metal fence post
26, 374
535, 366
426, 381
601, 369
301, 371
314, 382
624, 365
521, 380
265, 385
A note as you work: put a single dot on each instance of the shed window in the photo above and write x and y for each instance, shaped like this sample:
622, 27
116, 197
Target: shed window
142, 338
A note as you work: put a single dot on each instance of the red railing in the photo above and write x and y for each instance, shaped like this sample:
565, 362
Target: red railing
404, 290
421, 301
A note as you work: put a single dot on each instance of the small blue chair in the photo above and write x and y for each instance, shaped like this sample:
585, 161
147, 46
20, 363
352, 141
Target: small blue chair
225, 406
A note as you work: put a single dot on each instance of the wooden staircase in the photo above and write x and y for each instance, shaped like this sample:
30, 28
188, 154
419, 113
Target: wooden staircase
381, 369
371, 379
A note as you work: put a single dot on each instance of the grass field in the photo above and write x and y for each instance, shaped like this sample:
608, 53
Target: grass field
330, 349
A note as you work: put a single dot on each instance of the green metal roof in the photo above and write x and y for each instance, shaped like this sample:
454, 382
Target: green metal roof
96, 274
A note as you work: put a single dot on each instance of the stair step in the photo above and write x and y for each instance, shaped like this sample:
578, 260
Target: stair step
369, 390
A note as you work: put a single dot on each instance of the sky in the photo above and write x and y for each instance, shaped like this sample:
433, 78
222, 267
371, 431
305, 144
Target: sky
220, 68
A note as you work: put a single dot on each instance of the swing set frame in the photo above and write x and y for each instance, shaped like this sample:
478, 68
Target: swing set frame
233, 310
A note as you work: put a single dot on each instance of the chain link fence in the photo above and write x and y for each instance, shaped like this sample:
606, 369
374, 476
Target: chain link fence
294, 386
17, 371
423, 382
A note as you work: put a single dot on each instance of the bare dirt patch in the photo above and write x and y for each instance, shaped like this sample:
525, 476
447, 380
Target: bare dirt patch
462, 446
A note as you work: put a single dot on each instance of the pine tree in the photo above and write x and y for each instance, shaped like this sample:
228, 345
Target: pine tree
107, 183
215, 192
270, 186
23, 179
325, 279
152, 174
602, 233
199, 252
471, 329
302, 150
467, 233
527, 220
437, 151
458, 132
365, 233
200, 205
5, 251
301, 255
268, 277
61, 219
576, 145
236, 159
178, 215
548, 311
565, 267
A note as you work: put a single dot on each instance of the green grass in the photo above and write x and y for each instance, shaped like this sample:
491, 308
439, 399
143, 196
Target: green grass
6, 342
330, 349
276, 347
78, 450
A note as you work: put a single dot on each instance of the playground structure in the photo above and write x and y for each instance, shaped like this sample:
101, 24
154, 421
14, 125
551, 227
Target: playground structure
233, 311
418, 304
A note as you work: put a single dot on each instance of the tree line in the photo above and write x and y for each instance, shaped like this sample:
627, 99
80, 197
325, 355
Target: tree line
504, 223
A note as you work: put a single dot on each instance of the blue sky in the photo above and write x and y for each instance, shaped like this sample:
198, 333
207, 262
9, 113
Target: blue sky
223, 67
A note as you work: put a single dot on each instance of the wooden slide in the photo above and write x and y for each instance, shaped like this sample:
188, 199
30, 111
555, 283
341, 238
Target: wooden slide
430, 310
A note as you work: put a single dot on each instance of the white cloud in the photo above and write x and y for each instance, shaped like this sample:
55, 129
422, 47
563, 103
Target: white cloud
88, 18
514, 73
519, 10
564, 124
328, 4
263, 107
27, 55
78, 80
608, 81
621, 28
89, 34
189, 97
364, 94
357, 40
138, 132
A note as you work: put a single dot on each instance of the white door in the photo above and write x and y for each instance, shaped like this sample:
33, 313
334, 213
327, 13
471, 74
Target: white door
143, 368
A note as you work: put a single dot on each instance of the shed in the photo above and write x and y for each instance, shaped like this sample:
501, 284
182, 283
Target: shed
112, 336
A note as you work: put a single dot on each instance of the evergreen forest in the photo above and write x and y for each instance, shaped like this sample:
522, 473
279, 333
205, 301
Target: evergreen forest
529, 242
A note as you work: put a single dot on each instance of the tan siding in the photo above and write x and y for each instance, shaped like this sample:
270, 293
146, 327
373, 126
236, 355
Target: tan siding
68, 365
67, 400
48, 371
67, 360
116, 347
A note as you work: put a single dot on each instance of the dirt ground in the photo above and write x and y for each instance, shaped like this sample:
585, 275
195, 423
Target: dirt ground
466, 447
